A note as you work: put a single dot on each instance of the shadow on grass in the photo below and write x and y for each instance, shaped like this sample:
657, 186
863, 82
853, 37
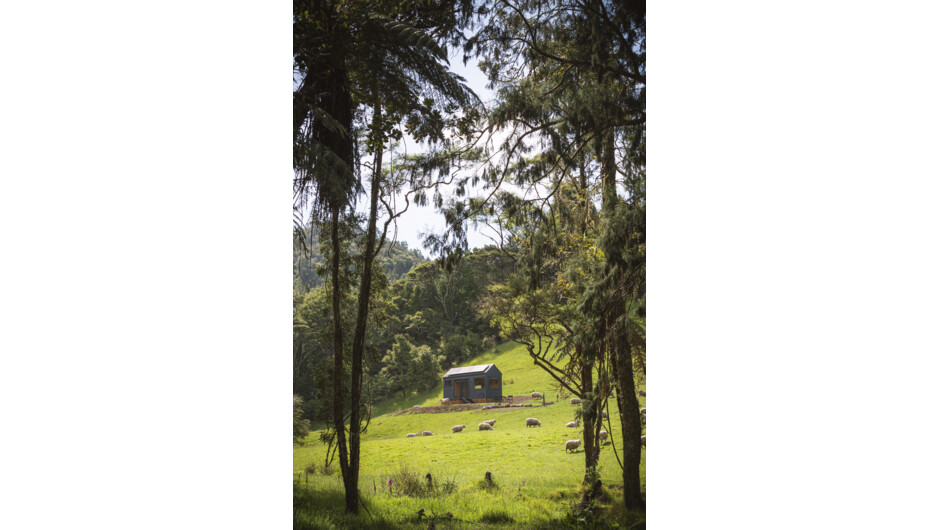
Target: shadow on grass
324, 510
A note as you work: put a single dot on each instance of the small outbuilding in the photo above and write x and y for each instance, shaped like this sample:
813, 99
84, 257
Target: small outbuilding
477, 384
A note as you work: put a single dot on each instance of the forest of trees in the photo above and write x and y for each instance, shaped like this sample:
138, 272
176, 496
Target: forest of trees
555, 166
429, 322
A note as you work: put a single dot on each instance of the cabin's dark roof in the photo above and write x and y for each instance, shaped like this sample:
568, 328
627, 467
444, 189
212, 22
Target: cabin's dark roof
467, 370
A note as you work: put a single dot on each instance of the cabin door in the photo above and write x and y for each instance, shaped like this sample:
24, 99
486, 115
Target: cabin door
460, 389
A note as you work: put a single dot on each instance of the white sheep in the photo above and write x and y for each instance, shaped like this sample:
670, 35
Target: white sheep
532, 422
604, 413
457, 428
643, 411
643, 440
427, 433
602, 435
491, 422
444, 401
536, 395
575, 401
411, 435
575, 423
485, 426
572, 444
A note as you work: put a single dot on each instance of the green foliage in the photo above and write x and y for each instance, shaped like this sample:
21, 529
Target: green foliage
409, 368
396, 260
301, 425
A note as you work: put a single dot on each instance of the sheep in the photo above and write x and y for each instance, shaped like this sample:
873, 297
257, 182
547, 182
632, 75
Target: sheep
604, 414
532, 422
444, 401
536, 395
457, 428
427, 433
575, 423
411, 435
602, 435
643, 411
485, 426
572, 444
643, 440
491, 422
575, 401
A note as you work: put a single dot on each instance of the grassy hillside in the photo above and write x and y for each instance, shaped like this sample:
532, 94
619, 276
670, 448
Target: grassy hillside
537, 481
520, 377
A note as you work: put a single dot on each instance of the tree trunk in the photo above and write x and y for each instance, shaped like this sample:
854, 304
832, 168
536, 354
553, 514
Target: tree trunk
338, 371
588, 416
365, 292
630, 426
618, 345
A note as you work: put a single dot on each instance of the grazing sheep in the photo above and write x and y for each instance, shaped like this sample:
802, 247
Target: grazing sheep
444, 401
575, 401
427, 433
643, 393
572, 444
602, 435
416, 407
457, 428
604, 414
643, 411
536, 395
532, 422
491, 422
485, 426
643, 440
575, 423
411, 435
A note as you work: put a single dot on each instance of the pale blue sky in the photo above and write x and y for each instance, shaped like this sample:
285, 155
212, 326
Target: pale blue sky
418, 220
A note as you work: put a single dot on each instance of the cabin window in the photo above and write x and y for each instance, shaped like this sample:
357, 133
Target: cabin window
494, 383
478, 383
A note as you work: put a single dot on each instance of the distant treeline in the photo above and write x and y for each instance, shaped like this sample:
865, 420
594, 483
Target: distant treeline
423, 320
396, 259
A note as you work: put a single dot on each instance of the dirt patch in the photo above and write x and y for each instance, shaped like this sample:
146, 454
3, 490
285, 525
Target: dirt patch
469, 406
439, 410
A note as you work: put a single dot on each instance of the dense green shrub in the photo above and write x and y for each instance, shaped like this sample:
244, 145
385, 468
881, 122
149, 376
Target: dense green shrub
301, 424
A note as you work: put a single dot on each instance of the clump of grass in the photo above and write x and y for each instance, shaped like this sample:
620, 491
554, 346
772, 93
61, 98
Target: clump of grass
496, 517
411, 484
447, 486
407, 482
557, 495
323, 469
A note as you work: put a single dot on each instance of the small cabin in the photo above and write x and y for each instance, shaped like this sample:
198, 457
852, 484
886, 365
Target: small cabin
478, 384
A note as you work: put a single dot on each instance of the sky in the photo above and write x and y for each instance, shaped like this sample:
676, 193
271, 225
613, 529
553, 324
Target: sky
418, 220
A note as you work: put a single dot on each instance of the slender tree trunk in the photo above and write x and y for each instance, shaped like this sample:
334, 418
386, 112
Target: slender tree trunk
338, 370
365, 292
589, 414
630, 426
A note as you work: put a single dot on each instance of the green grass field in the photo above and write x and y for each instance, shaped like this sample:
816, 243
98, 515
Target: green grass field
537, 482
